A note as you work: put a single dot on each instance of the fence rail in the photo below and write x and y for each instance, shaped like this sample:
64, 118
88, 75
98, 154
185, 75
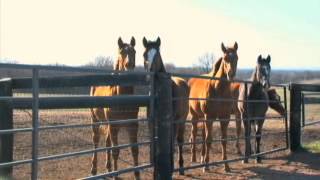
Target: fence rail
72, 102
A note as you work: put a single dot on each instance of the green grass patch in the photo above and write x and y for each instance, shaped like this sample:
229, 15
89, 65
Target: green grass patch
313, 146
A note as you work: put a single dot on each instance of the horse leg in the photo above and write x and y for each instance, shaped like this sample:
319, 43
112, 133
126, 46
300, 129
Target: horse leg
238, 129
193, 136
258, 139
180, 139
133, 137
208, 138
224, 127
247, 132
203, 148
95, 139
108, 155
114, 141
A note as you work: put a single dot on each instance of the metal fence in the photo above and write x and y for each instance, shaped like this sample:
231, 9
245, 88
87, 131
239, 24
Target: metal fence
158, 101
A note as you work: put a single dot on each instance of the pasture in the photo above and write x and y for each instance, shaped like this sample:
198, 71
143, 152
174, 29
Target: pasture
277, 165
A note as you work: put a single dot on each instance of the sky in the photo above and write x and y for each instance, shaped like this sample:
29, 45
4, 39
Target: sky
74, 32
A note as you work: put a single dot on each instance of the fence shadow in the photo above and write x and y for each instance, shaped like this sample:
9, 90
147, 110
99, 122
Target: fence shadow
267, 173
306, 157
298, 160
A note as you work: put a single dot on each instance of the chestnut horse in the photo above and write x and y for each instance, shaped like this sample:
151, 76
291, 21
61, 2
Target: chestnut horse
180, 91
209, 109
125, 62
253, 110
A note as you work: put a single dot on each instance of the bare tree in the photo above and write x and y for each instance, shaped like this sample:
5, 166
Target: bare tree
102, 62
170, 67
205, 63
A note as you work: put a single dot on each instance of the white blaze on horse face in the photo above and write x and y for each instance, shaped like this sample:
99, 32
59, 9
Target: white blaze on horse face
150, 57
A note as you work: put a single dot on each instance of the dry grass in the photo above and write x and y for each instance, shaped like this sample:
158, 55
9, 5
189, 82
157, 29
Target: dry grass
277, 165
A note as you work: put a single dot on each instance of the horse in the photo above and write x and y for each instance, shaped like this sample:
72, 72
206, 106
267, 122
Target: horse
180, 91
252, 110
210, 109
274, 103
125, 62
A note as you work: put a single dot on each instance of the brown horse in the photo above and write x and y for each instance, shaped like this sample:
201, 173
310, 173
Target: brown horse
211, 110
180, 91
253, 110
125, 62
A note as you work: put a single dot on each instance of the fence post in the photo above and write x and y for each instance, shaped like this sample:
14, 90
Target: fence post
295, 117
164, 118
6, 140
35, 123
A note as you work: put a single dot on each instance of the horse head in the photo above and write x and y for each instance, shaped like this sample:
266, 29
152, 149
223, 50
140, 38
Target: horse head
275, 101
229, 60
263, 70
152, 57
127, 55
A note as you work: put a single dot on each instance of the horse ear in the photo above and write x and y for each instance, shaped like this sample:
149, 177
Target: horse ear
132, 42
268, 59
145, 42
235, 46
120, 42
158, 41
259, 59
223, 48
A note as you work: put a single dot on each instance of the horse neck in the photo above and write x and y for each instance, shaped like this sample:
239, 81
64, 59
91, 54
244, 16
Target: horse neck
161, 65
118, 66
122, 89
220, 74
254, 77
277, 107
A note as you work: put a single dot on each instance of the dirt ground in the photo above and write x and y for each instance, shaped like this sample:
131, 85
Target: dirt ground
279, 165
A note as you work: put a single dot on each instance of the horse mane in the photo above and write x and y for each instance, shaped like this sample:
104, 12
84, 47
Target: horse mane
162, 68
254, 74
216, 67
271, 92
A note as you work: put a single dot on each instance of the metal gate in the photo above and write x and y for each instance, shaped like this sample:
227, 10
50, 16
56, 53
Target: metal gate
300, 96
8, 103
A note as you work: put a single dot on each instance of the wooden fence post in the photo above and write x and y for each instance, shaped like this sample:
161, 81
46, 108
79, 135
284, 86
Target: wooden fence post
164, 118
6, 140
295, 117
